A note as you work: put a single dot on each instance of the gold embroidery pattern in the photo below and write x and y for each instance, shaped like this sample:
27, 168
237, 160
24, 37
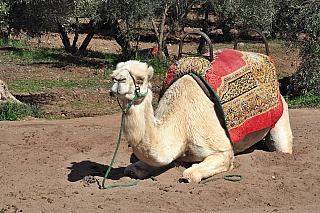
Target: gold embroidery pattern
249, 91
237, 87
197, 64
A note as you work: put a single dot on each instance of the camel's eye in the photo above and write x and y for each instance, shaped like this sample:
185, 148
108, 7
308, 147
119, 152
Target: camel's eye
140, 81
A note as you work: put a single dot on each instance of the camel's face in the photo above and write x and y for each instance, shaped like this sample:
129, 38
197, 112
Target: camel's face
123, 86
130, 77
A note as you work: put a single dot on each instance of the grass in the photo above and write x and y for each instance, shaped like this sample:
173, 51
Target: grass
13, 111
306, 100
23, 54
27, 55
35, 85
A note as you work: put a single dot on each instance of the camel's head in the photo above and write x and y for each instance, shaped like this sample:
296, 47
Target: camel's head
130, 78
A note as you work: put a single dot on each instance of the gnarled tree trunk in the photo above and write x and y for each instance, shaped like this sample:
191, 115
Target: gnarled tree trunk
5, 95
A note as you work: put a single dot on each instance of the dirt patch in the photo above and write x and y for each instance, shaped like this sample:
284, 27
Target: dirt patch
44, 163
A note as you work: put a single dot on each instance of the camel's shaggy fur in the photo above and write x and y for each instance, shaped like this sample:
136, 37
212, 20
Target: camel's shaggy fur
185, 127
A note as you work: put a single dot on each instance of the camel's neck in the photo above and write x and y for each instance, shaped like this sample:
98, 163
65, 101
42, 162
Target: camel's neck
140, 126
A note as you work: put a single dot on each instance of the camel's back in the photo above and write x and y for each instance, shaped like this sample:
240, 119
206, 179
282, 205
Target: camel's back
184, 97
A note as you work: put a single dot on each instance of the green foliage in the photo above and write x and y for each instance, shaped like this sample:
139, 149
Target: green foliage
128, 19
40, 16
308, 74
12, 43
24, 54
160, 66
13, 111
308, 20
306, 100
34, 85
255, 14
4, 22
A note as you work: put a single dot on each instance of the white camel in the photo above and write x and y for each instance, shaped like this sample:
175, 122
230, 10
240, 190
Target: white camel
185, 126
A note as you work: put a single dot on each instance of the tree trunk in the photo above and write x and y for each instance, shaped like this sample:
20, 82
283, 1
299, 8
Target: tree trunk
4, 36
65, 40
202, 45
5, 95
87, 40
160, 35
124, 43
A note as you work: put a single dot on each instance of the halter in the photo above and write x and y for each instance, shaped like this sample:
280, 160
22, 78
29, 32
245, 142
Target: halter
137, 95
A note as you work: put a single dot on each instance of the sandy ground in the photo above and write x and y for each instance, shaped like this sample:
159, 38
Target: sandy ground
44, 162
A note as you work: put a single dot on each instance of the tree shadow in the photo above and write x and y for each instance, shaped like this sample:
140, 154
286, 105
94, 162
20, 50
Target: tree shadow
10, 49
38, 98
79, 170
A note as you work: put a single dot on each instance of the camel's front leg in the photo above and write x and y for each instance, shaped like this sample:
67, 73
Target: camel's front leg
211, 165
141, 170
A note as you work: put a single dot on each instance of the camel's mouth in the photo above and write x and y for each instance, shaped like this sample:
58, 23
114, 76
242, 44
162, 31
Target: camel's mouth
117, 81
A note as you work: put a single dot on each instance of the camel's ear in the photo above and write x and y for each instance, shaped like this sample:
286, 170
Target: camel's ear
150, 72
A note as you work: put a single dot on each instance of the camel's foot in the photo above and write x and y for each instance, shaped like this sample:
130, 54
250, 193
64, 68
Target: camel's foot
141, 170
211, 165
138, 170
191, 175
185, 180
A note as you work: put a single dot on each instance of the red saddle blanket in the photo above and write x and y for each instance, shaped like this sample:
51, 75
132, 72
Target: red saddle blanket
246, 84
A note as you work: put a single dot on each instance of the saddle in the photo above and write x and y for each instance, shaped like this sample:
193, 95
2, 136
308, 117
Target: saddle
243, 86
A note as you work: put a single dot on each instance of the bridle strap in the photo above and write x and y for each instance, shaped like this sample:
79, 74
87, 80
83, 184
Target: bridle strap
137, 95
137, 88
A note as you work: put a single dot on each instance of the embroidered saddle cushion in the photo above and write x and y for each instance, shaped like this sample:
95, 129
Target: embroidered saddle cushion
246, 85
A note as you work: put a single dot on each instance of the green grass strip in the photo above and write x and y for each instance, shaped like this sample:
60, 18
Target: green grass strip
12, 111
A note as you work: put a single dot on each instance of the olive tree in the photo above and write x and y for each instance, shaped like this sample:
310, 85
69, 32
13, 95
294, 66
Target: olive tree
4, 22
37, 17
170, 16
308, 30
126, 20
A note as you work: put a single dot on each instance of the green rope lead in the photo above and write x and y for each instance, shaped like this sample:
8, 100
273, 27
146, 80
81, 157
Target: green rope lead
233, 178
112, 162
138, 94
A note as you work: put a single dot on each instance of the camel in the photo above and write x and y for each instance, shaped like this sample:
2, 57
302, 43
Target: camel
185, 127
